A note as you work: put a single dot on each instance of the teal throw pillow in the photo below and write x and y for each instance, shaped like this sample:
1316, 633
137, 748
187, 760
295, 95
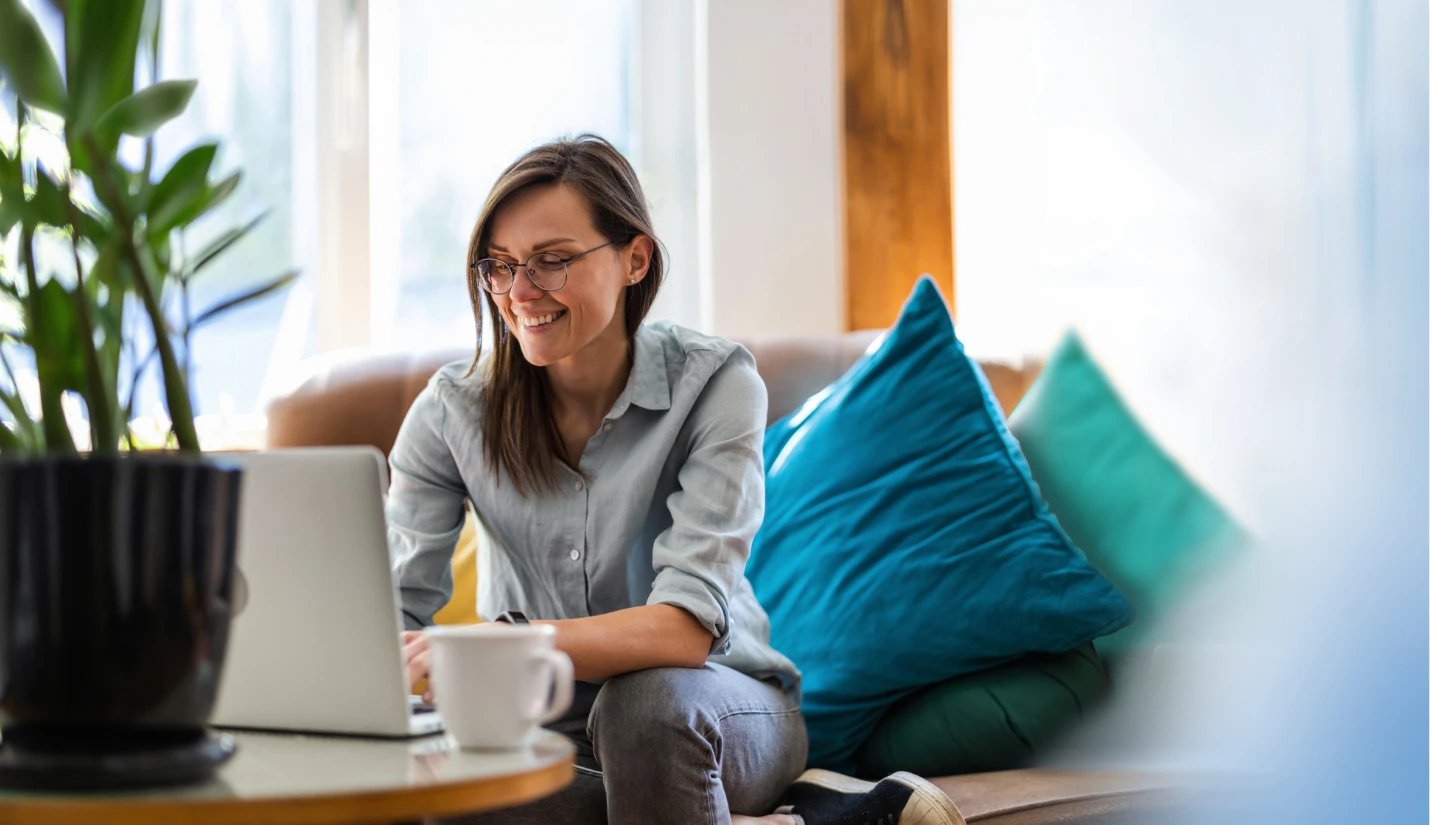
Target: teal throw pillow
1135, 512
904, 542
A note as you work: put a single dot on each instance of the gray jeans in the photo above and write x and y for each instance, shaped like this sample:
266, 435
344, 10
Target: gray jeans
678, 745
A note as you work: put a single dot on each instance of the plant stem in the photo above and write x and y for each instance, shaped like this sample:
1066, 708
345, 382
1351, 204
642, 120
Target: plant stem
9, 442
176, 390
104, 436
136, 372
55, 429
57, 434
185, 308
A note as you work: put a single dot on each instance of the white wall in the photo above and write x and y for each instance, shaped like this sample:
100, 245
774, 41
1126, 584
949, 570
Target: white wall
663, 105
767, 76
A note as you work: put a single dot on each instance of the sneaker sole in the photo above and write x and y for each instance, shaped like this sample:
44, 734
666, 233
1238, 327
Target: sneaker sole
927, 805
835, 781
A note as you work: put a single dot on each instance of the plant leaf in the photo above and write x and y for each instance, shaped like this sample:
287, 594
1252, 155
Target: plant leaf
107, 269
11, 182
93, 228
56, 357
161, 248
223, 242
181, 189
58, 362
9, 215
143, 112
211, 198
110, 315
220, 191
9, 442
27, 61
101, 43
101, 39
244, 297
49, 205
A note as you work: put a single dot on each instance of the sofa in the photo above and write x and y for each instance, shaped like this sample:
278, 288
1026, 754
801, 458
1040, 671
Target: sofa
361, 399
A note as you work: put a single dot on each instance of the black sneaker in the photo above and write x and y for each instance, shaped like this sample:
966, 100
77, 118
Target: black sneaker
828, 798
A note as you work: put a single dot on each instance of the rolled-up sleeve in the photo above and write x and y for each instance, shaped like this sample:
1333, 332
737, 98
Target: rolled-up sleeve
719, 504
424, 509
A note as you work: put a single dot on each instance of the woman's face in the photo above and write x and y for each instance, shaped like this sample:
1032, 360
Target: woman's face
552, 326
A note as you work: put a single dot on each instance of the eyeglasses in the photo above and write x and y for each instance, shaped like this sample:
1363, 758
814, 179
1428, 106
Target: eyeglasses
547, 271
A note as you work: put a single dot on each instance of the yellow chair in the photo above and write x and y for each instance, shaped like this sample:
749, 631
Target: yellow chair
462, 609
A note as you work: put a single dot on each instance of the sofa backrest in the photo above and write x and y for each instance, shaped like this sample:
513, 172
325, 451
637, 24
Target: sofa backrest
363, 399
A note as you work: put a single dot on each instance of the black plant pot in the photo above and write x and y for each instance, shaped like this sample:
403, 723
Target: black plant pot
116, 575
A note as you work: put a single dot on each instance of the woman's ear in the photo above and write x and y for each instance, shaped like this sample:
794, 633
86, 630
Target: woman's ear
638, 258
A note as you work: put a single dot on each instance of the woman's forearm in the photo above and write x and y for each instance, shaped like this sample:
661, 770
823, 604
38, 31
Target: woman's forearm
637, 638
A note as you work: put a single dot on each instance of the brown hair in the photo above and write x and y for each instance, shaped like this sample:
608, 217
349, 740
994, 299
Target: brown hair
518, 425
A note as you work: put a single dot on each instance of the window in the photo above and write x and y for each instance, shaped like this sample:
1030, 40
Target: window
459, 90
240, 55
369, 132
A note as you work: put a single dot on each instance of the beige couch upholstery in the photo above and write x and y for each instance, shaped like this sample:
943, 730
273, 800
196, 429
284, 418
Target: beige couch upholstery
363, 400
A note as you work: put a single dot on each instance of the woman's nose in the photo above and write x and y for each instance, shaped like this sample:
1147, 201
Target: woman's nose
522, 289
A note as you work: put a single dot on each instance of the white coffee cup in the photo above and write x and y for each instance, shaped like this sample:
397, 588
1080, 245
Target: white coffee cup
491, 682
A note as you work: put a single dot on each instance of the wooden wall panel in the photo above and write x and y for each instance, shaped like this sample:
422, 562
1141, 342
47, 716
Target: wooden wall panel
898, 189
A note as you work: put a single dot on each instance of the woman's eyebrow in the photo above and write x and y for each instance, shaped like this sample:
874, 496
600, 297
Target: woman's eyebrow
537, 248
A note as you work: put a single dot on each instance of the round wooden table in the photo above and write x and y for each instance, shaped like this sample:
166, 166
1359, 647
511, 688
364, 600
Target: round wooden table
316, 780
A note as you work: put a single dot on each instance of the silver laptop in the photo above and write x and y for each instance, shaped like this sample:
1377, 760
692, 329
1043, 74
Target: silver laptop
314, 645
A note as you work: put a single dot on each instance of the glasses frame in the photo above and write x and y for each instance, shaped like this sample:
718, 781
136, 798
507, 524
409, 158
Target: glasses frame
526, 266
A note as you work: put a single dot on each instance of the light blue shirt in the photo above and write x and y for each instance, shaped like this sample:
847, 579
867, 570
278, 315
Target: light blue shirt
670, 492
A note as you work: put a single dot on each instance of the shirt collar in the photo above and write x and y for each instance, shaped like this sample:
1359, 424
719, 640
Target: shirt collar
649, 384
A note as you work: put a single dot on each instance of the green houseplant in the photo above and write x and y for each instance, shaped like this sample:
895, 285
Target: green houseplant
116, 564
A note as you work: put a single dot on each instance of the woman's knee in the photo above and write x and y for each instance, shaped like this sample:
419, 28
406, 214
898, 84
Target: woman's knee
648, 708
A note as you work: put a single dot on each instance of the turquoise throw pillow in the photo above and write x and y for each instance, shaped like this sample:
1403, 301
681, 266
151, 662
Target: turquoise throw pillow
904, 542
1139, 517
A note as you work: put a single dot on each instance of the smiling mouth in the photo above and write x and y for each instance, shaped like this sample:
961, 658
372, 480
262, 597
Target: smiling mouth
537, 321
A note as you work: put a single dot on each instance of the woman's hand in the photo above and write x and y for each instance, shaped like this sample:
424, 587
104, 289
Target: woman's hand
416, 655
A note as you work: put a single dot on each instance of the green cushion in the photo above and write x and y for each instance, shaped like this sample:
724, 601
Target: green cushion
993, 720
1141, 520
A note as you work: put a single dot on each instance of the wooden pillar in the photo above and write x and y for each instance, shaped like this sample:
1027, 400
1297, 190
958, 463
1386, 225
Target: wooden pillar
898, 181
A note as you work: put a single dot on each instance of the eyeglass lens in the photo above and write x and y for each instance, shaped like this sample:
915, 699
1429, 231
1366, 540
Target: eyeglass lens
546, 271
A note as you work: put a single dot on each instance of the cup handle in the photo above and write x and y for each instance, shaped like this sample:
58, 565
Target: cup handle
565, 677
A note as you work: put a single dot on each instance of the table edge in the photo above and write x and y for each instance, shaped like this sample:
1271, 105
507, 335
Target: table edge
384, 805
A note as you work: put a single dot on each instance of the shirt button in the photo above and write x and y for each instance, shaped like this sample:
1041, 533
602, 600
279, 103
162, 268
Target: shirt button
580, 485
607, 426
574, 554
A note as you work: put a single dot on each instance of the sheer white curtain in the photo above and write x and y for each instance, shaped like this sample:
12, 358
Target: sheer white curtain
1203, 189
1228, 199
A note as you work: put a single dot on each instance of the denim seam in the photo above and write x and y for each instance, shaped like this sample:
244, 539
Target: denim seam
754, 711
751, 710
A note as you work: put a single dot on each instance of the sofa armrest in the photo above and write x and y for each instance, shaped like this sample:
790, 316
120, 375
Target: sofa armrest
352, 398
